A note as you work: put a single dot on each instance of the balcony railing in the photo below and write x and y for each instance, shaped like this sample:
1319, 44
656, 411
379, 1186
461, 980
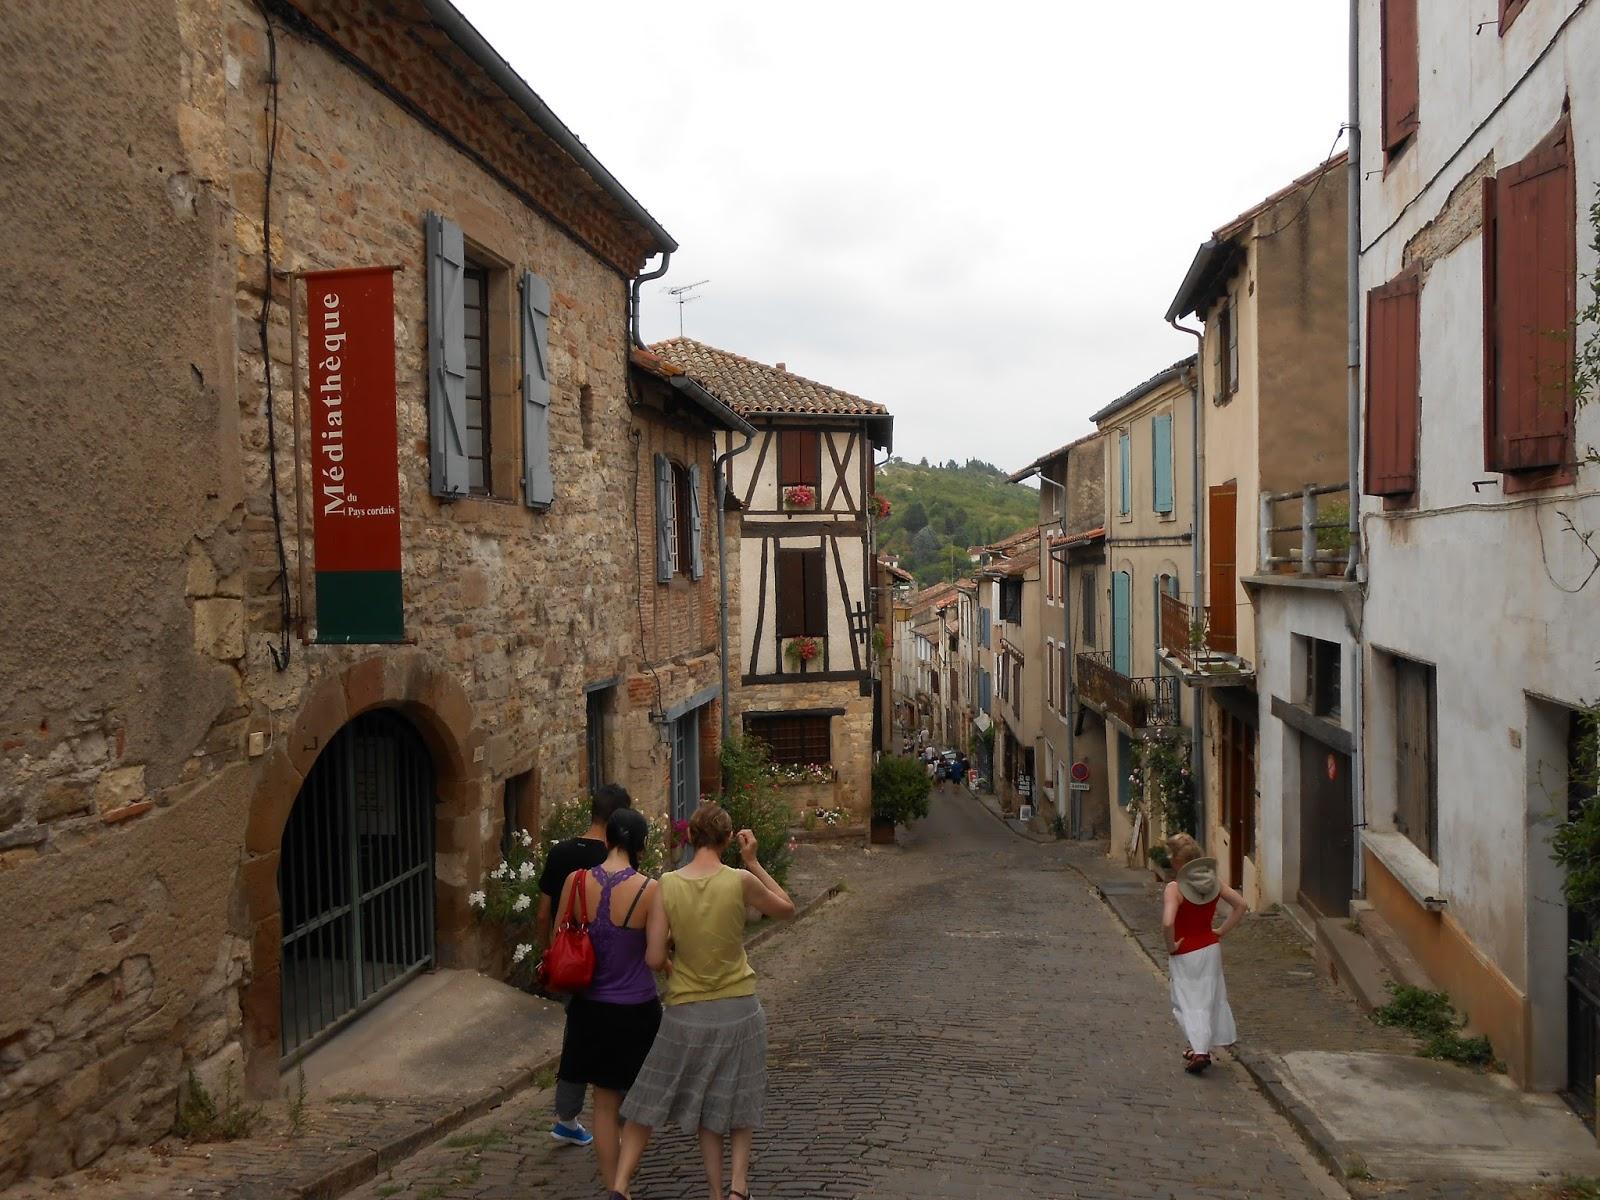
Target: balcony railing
1137, 702
1189, 644
1324, 529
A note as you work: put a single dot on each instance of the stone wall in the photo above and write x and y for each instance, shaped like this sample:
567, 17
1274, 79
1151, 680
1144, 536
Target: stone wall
150, 747
851, 731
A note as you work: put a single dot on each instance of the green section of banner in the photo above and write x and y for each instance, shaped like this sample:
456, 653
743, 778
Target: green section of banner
358, 607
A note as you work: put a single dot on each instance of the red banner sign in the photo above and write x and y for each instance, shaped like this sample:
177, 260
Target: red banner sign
355, 473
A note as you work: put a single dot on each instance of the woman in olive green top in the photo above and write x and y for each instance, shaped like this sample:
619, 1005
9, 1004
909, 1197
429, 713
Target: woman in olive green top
707, 1070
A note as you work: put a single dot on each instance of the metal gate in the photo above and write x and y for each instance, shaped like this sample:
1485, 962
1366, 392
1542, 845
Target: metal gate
355, 877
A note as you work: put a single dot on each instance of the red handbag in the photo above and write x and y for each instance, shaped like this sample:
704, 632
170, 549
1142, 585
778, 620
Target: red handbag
568, 965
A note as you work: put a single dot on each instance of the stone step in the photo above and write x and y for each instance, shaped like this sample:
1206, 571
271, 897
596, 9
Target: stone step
1391, 950
1349, 960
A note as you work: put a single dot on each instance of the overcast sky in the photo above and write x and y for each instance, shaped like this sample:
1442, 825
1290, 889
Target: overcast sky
973, 214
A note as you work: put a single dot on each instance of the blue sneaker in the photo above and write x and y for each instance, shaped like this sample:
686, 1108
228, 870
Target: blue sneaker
573, 1134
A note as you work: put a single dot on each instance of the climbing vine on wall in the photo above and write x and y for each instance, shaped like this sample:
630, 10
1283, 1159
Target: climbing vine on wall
1162, 786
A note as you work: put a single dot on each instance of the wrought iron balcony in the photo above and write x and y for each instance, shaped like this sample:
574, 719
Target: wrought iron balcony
1138, 702
1190, 647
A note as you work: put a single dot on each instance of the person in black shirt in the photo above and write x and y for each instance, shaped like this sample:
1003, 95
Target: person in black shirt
575, 854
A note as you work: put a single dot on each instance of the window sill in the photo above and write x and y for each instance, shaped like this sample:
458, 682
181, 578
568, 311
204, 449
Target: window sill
1413, 869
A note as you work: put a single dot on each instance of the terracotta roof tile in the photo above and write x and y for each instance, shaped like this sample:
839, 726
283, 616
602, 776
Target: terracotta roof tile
752, 387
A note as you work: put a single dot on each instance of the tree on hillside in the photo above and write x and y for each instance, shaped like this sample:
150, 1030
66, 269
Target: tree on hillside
916, 516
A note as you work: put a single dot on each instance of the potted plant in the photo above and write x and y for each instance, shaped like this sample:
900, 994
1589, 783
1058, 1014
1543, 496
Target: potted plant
900, 788
799, 495
880, 507
801, 650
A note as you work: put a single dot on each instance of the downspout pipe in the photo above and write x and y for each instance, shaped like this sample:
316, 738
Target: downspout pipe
1356, 569
634, 289
1066, 633
719, 469
1197, 757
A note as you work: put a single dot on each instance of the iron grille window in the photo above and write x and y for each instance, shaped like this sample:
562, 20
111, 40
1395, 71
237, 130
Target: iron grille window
794, 741
475, 306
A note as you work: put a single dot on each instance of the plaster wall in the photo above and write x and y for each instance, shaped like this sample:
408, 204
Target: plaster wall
759, 607
1502, 568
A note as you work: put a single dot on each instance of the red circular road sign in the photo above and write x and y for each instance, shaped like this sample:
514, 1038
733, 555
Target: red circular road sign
1080, 772
1333, 767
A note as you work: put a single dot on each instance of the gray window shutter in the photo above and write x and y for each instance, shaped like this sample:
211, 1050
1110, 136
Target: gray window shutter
538, 483
697, 558
447, 360
664, 514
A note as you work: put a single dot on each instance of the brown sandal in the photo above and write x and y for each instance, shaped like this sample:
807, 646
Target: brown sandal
1196, 1063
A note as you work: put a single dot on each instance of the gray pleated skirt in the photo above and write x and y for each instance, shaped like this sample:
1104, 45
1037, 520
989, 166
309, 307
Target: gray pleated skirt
706, 1070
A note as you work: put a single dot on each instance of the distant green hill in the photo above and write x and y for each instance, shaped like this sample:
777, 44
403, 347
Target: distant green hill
939, 511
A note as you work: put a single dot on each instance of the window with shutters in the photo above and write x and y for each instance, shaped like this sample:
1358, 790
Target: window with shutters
1416, 812
1530, 310
1125, 473
1089, 597
1227, 350
667, 508
1050, 672
1393, 414
475, 322
1161, 464
799, 457
802, 593
794, 741
1398, 52
1011, 601
682, 519
1063, 684
936, 683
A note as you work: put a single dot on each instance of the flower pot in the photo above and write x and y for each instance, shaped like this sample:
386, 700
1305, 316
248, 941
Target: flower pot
882, 831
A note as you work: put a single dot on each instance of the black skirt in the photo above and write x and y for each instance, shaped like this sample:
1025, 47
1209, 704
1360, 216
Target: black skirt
606, 1044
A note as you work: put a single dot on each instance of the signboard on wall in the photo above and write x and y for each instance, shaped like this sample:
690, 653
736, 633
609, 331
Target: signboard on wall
355, 473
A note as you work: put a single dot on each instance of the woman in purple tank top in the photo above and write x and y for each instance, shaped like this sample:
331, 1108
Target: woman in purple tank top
611, 1027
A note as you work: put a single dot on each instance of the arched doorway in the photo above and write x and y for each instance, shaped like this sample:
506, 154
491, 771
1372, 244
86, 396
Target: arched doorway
355, 877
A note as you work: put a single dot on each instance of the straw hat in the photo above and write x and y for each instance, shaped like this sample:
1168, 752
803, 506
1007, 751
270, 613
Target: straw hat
1198, 882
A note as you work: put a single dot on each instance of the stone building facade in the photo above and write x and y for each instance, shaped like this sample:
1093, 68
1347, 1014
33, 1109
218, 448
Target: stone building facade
170, 716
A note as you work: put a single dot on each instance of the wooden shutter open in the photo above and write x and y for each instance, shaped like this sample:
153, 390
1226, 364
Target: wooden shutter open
1400, 72
665, 518
1161, 462
1393, 404
538, 482
697, 557
816, 593
791, 593
449, 473
1530, 306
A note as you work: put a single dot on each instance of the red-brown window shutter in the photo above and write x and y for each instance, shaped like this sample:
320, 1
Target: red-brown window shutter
799, 458
791, 595
1400, 72
1393, 408
1530, 307
1508, 13
816, 593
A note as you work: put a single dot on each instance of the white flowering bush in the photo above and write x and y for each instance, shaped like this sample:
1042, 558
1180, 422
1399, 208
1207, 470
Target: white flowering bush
509, 896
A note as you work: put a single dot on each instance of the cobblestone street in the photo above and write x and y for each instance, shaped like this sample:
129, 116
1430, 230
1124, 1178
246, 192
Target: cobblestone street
967, 1020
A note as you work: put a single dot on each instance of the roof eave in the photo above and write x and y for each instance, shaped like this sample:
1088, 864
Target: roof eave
1213, 263
462, 32
716, 411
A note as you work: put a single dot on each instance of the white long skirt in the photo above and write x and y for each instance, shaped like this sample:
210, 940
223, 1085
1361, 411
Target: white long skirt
1200, 999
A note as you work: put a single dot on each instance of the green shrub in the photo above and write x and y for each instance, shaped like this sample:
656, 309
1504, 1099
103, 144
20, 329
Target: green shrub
1432, 1018
750, 796
900, 789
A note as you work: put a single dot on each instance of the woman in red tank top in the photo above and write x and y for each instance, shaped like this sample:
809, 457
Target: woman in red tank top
1199, 993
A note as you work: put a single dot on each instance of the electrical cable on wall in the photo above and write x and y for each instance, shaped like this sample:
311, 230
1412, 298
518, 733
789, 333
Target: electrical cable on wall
1315, 184
638, 572
280, 653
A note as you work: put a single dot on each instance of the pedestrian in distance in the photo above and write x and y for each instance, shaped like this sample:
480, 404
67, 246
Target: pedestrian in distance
575, 854
1194, 965
612, 1025
707, 1071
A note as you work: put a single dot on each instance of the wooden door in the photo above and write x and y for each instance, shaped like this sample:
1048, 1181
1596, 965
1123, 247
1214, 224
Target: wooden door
1236, 763
1223, 555
1416, 775
1327, 831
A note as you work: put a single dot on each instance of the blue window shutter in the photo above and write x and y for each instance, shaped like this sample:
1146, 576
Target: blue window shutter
538, 483
1161, 466
697, 562
447, 360
1124, 479
664, 520
983, 689
1122, 623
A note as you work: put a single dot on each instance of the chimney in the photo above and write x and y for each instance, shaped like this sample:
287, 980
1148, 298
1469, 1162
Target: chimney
783, 366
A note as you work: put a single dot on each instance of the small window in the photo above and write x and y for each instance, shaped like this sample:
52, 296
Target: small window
936, 683
794, 741
475, 307
1090, 594
1227, 349
799, 458
802, 587
521, 809
1011, 601
683, 520
595, 737
1416, 755
1322, 677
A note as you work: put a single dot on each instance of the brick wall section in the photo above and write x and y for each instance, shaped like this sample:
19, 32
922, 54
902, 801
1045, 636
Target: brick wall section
138, 834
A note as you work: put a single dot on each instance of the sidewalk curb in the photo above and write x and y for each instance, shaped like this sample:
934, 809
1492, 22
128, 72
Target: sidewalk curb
1258, 1065
367, 1165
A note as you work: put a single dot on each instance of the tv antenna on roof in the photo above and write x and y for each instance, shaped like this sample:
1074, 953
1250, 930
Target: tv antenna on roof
681, 295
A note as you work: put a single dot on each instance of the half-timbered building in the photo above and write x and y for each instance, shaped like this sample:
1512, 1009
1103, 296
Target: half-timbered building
804, 481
